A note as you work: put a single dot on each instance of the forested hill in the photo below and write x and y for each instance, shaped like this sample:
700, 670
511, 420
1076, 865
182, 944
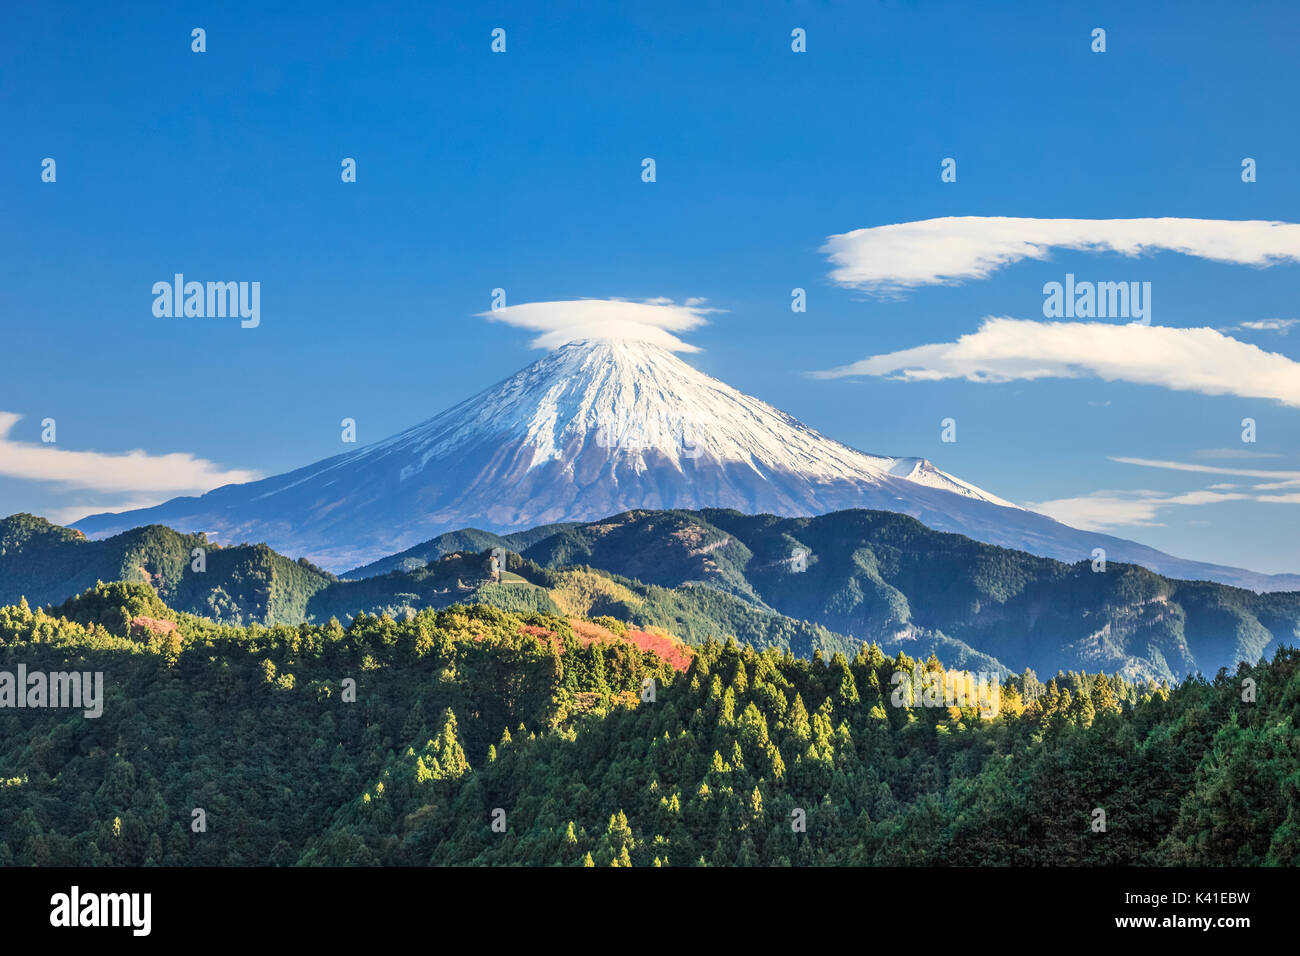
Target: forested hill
877, 575
46, 564
477, 736
466, 540
829, 582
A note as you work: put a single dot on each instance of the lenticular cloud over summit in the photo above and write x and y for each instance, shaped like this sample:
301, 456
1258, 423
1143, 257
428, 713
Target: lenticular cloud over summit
653, 321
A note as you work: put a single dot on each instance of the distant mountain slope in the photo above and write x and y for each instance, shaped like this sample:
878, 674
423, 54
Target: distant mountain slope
467, 539
693, 612
249, 583
880, 576
596, 428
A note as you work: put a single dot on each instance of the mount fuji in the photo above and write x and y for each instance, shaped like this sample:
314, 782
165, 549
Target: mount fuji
594, 428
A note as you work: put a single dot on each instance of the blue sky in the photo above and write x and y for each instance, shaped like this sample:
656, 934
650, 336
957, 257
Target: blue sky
522, 171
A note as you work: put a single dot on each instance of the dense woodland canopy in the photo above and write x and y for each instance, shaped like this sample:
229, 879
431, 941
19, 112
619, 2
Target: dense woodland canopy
465, 711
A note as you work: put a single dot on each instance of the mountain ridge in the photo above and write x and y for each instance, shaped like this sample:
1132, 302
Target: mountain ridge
866, 576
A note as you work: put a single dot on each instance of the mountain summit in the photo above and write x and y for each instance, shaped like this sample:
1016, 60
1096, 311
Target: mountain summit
595, 428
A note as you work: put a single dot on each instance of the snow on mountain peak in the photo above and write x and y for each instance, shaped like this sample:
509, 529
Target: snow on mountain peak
593, 428
638, 405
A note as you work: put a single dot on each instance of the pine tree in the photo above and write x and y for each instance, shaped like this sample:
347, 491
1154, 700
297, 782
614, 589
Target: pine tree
1103, 697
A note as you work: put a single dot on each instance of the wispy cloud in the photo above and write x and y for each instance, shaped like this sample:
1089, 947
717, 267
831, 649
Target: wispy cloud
1278, 480
654, 321
1280, 326
887, 260
1283, 476
1005, 349
70, 514
152, 477
1101, 510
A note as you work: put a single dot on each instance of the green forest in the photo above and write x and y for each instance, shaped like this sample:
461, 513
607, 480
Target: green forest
474, 735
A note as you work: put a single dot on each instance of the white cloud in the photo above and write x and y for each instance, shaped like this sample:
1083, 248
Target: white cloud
890, 259
653, 321
1209, 468
1280, 326
136, 472
71, 514
1101, 510
1283, 479
1004, 350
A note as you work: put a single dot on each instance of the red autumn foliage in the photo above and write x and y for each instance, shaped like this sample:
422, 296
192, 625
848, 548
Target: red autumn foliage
671, 650
143, 626
545, 635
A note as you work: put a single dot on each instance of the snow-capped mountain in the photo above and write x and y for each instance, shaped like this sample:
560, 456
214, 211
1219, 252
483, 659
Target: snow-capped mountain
595, 428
